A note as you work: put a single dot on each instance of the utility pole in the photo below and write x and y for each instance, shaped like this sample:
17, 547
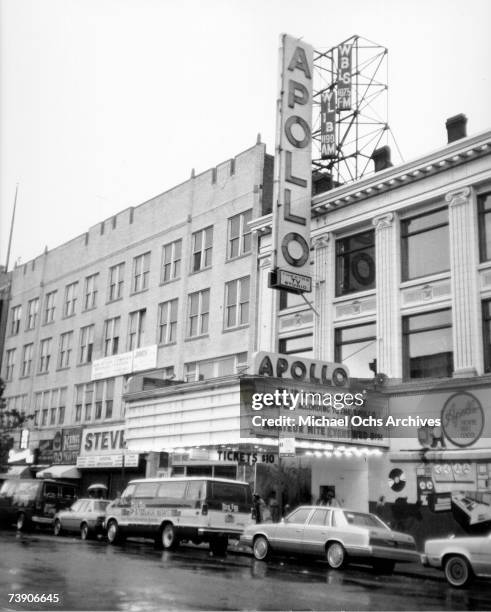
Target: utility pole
11, 228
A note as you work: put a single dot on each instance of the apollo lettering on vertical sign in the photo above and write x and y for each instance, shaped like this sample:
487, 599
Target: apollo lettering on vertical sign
344, 76
328, 124
293, 173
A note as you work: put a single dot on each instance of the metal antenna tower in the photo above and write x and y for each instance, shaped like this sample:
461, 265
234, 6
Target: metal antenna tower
350, 82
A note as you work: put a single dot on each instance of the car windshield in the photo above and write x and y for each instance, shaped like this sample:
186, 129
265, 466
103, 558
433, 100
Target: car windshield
360, 519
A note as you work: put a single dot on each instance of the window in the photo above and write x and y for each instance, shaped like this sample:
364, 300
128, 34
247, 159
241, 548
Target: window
111, 336
99, 392
484, 209
355, 263
86, 344
237, 302
66, 340
299, 516
88, 399
15, 320
79, 394
425, 244
109, 398
239, 234
296, 345
198, 312
70, 299
356, 348
116, 281
214, 368
486, 322
167, 322
62, 406
320, 517
171, 261
49, 307
44, 355
44, 420
52, 416
428, 345
141, 271
32, 313
202, 247
289, 300
136, 329
27, 359
90, 292
9, 367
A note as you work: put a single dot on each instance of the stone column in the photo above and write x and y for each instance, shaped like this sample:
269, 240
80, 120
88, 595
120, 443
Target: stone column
323, 294
387, 269
267, 309
464, 259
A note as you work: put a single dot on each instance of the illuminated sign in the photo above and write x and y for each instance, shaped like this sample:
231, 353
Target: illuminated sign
278, 365
328, 125
291, 281
293, 173
344, 76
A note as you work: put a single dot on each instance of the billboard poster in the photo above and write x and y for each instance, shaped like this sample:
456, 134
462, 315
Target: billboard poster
293, 159
344, 76
328, 125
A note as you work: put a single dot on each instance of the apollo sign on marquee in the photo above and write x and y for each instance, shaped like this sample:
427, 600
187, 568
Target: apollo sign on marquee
293, 171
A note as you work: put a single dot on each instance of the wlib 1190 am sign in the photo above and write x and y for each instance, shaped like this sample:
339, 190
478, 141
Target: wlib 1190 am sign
293, 174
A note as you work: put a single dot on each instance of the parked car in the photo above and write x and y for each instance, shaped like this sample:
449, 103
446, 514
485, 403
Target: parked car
171, 510
338, 535
28, 502
85, 516
461, 558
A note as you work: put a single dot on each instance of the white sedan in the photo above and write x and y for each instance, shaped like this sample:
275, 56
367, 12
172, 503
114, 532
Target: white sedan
460, 558
338, 535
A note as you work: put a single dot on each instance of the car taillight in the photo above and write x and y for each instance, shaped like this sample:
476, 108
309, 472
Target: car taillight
204, 509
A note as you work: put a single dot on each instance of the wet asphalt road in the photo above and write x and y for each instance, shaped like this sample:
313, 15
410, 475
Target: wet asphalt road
95, 576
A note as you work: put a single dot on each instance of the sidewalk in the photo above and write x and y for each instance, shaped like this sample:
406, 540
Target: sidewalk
411, 570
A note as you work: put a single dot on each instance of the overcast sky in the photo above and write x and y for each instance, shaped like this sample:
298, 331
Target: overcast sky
106, 103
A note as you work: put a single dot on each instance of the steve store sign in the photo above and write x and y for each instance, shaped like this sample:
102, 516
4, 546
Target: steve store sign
103, 441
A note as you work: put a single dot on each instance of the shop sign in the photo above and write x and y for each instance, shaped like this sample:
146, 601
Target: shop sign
243, 457
103, 441
293, 367
293, 159
144, 358
45, 452
23, 455
286, 446
462, 419
66, 445
108, 461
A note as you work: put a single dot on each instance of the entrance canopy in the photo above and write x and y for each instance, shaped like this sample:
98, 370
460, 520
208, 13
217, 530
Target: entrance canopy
59, 471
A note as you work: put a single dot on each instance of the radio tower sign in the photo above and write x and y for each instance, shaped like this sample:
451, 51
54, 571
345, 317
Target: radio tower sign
293, 168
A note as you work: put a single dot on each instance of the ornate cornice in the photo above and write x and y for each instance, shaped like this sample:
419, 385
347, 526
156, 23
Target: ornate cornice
457, 197
383, 221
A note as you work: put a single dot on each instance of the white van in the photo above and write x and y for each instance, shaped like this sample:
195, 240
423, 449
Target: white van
173, 510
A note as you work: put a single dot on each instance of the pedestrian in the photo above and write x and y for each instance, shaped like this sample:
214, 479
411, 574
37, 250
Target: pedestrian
331, 500
274, 507
258, 505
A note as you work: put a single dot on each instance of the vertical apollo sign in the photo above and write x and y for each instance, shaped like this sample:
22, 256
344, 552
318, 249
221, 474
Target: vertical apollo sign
293, 173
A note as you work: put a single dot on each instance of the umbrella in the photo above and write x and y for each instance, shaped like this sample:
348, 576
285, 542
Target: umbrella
99, 485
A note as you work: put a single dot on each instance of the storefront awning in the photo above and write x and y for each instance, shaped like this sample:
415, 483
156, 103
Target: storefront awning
59, 471
19, 471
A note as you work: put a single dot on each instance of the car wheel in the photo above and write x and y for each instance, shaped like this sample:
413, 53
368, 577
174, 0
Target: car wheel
384, 567
457, 570
169, 537
113, 533
261, 548
21, 522
57, 530
218, 546
84, 532
336, 555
